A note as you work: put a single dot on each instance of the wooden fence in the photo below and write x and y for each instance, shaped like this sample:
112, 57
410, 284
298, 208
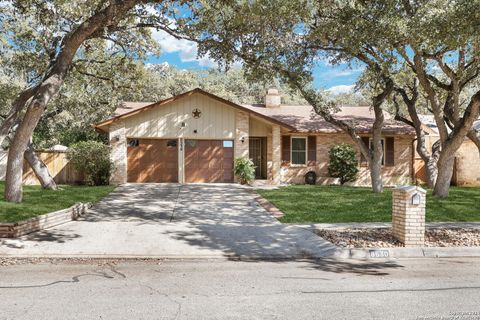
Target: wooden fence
59, 167
57, 163
421, 171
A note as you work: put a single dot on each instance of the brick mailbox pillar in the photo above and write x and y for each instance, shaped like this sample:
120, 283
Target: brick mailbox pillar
408, 215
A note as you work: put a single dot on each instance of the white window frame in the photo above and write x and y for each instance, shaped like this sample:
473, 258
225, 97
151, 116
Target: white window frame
370, 141
291, 150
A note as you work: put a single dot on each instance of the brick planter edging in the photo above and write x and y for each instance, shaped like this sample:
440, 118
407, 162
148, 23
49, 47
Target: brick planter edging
20, 228
267, 205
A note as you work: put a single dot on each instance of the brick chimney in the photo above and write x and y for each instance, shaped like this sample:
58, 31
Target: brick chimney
272, 98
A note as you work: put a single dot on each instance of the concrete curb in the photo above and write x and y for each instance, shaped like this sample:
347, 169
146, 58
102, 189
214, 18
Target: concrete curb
394, 253
159, 257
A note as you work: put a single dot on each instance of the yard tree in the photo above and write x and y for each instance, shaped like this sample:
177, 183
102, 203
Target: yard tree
85, 100
436, 39
45, 36
436, 69
285, 40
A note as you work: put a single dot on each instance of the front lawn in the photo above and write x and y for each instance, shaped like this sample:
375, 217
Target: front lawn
330, 204
37, 201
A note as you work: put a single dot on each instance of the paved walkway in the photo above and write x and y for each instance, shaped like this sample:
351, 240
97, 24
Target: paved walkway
172, 220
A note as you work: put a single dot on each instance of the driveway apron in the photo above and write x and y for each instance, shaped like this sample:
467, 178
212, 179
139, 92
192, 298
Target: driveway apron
174, 221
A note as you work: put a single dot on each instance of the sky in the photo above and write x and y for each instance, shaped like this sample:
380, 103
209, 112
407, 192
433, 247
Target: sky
183, 55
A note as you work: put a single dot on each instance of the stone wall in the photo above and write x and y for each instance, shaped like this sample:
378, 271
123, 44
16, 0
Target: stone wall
118, 153
242, 126
17, 229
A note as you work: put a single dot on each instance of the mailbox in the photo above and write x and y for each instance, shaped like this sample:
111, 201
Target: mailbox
416, 198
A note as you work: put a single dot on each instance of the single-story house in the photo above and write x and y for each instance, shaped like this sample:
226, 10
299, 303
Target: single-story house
195, 136
467, 158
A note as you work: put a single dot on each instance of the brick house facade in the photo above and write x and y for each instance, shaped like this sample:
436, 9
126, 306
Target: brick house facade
194, 137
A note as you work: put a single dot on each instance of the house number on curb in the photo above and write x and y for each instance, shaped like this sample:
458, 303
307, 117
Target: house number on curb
379, 253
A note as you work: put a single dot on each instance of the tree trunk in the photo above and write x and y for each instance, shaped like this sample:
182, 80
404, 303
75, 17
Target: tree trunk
432, 172
375, 161
50, 85
39, 168
12, 117
14, 175
376, 176
444, 178
431, 163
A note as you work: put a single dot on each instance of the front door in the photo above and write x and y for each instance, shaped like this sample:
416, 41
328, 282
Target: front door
258, 154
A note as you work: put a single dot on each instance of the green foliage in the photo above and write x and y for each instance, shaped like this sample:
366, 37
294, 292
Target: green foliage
336, 204
37, 201
244, 170
343, 162
93, 159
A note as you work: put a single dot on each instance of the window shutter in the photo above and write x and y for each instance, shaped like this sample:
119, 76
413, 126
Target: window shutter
363, 161
312, 150
285, 149
389, 151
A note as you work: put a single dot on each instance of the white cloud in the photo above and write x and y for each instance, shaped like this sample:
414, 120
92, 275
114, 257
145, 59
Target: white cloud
341, 89
340, 73
187, 50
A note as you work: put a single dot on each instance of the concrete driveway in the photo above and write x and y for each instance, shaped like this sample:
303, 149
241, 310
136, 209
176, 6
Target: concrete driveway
172, 220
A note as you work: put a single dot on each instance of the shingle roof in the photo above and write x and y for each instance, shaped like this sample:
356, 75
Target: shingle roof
304, 119
127, 106
300, 118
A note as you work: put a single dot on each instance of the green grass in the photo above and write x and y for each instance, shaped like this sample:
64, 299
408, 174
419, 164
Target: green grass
37, 201
331, 204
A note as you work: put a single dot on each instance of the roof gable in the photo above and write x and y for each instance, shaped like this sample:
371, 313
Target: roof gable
128, 109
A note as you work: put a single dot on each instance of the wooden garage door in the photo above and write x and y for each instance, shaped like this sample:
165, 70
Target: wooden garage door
208, 161
152, 160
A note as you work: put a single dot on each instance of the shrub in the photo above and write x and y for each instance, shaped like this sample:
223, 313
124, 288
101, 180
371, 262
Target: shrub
244, 170
92, 158
343, 163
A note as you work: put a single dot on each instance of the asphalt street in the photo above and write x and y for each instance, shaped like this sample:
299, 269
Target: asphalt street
214, 289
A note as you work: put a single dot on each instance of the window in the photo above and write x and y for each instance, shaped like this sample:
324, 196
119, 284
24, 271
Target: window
133, 142
299, 150
171, 143
370, 145
227, 143
190, 143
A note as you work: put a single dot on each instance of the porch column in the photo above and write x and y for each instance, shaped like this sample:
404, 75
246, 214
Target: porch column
242, 126
242, 132
276, 154
118, 152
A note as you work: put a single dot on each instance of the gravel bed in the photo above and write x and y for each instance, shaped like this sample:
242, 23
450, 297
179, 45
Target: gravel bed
383, 238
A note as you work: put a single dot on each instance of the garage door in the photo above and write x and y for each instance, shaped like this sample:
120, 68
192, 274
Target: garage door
152, 160
208, 161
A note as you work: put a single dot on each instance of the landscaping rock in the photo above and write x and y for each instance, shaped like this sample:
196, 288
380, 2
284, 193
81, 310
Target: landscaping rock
383, 238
